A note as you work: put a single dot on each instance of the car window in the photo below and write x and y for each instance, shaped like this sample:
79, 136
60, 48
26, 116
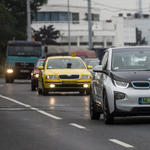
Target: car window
131, 59
65, 63
104, 60
39, 63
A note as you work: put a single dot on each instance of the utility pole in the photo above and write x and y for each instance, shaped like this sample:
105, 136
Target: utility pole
140, 8
28, 21
90, 25
68, 28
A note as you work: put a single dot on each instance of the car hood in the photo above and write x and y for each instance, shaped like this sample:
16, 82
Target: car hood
67, 71
131, 76
36, 71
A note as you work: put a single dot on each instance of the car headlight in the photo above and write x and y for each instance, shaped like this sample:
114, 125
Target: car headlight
9, 71
36, 75
121, 84
86, 77
51, 77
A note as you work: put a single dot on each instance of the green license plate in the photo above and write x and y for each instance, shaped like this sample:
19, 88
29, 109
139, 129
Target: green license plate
145, 100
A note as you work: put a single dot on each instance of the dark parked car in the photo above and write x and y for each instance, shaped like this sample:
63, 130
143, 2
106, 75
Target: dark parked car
35, 74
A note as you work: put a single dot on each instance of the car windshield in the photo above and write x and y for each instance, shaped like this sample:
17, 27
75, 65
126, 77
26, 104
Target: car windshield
65, 63
39, 63
93, 63
24, 51
131, 59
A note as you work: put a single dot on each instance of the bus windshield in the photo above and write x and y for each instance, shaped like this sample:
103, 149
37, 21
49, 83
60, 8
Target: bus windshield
24, 51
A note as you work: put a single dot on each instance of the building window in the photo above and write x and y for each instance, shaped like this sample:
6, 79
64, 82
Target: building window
40, 16
95, 17
120, 15
54, 16
63, 16
47, 16
75, 16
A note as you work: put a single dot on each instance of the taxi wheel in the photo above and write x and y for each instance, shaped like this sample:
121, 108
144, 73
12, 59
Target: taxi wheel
94, 115
44, 92
108, 118
88, 92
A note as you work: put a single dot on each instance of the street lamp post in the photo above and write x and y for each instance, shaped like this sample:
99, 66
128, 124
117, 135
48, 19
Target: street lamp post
68, 28
28, 21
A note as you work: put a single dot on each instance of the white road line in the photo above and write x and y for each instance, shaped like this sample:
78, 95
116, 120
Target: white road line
121, 143
78, 126
1, 85
33, 108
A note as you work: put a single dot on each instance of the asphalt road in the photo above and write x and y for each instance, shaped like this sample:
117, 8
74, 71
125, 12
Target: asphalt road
60, 121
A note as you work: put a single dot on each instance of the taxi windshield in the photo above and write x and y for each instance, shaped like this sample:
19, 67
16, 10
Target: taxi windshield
133, 59
65, 63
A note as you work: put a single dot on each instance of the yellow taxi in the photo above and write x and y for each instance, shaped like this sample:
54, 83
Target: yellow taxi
64, 73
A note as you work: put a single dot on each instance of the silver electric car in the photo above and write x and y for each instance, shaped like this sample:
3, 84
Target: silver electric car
121, 84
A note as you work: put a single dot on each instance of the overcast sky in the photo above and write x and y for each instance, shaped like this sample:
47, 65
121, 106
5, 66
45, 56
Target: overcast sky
109, 7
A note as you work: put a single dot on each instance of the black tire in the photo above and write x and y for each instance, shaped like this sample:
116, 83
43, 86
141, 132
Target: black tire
108, 118
81, 92
39, 91
33, 87
11, 80
88, 92
44, 92
94, 115
6, 80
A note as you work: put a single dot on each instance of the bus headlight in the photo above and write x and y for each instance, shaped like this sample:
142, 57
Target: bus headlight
9, 71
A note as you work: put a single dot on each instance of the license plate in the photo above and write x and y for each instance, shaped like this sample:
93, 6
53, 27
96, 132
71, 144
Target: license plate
69, 82
144, 100
24, 71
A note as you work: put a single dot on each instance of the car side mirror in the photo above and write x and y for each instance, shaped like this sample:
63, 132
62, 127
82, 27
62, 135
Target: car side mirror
40, 67
98, 68
90, 67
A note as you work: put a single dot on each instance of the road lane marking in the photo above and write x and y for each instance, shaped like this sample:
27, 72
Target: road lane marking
33, 108
78, 126
1, 85
121, 143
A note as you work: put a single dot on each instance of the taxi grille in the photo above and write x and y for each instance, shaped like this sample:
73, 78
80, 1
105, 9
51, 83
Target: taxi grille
140, 84
69, 76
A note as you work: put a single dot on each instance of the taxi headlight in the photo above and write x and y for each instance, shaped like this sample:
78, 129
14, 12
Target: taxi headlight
121, 84
86, 77
36, 75
9, 71
51, 77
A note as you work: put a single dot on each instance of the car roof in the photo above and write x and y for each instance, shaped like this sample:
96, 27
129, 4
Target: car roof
129, 47
57, 57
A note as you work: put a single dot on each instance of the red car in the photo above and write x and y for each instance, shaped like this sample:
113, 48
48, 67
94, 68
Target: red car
35, 74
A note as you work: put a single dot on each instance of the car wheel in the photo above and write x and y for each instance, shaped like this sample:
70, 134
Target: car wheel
11, 80
7, 80
33, 87
81, 92
94, 115
39, 91
108, 118
88, 92
44, 92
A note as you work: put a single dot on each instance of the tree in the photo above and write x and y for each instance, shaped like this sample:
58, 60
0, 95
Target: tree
47, 35
18, 9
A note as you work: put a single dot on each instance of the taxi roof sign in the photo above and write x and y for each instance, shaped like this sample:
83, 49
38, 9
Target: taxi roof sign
73, 54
